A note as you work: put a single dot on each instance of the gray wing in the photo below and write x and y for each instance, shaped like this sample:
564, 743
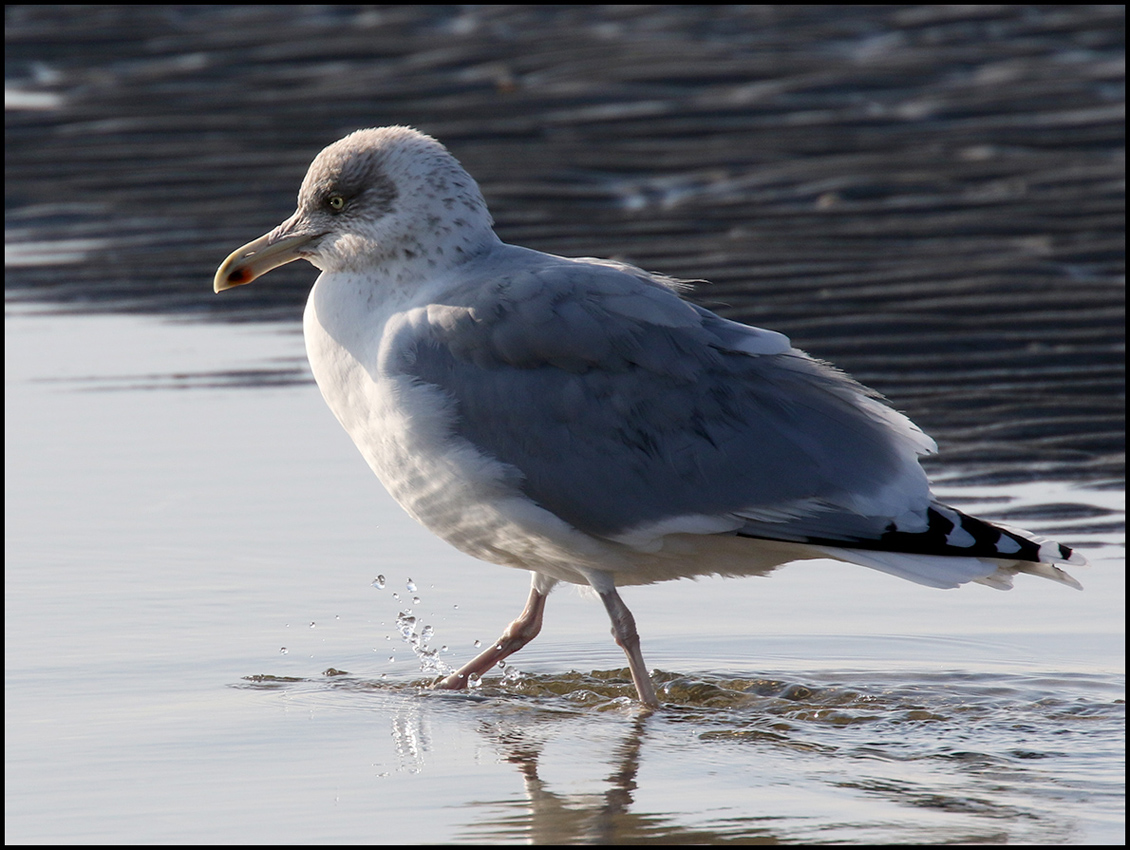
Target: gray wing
623, 406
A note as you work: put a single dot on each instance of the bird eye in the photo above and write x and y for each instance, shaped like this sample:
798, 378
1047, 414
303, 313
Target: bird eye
336, 203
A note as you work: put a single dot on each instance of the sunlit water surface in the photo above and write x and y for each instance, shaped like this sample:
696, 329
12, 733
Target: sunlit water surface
215, 617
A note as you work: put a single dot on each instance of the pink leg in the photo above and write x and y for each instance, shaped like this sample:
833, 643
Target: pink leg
624, 630
517, 634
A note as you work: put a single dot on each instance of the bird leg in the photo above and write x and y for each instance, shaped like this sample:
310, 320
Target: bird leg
624, 630
520, 632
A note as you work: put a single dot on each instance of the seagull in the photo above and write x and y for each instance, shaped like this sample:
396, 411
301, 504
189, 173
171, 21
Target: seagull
581, 419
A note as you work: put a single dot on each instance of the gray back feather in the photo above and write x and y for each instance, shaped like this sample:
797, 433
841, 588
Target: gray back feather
622, 405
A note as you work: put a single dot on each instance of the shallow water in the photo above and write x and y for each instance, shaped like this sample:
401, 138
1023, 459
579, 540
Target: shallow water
930, 196
195, 649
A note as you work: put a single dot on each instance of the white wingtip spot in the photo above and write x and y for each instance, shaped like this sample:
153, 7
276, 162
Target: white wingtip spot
960, 538
1007, 546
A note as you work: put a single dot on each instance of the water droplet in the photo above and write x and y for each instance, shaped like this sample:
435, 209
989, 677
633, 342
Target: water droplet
411, 586
282, 650
415, 600
443, 648
477, 644
406, 621
312, 624
414, 632
379, 582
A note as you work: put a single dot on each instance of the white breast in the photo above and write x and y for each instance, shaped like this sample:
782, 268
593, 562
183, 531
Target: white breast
404, 430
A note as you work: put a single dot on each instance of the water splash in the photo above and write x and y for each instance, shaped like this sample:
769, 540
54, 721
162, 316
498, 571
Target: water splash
511, 675
418, 636
418, 640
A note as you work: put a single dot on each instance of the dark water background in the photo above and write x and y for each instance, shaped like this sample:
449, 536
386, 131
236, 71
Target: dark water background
932, 197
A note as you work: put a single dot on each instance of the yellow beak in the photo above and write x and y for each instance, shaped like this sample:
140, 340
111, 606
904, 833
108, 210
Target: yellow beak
257, 258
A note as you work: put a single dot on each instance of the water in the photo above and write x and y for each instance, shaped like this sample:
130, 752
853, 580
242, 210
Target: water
170, 530
930, 196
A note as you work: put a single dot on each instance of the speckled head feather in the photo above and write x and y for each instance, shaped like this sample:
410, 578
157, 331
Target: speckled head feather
392, 195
